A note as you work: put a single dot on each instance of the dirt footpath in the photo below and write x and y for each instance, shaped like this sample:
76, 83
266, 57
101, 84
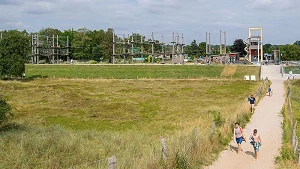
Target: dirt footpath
267, 120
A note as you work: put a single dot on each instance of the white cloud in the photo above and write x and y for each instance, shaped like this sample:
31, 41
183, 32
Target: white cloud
275, 4
17, 25
191, 17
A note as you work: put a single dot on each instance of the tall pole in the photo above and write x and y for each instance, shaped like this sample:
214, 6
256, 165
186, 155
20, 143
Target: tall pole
261, 40
68, 58
128, 42
220, 42
173, 46
152, 48
37, 49
177, 49
178, 44
1, 35
57, 48
162, 48
57, 41
53, 49
258, 44
48, 50
206, 47
279, 62
182, 44
142, 46
114, 49
162, 42
32, 48
225, 43
124, 50
132, 48
209, 46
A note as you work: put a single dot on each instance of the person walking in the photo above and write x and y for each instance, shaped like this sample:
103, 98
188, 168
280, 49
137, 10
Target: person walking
255, 140
270, 90
252, 102
238, 134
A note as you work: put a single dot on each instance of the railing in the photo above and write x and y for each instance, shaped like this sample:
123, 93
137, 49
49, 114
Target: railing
295, 141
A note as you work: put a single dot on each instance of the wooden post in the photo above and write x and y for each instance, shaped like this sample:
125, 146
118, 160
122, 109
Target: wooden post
291, 111
164, 148
112, 162
214, 127
293, 138
298, 156
296, 145
195, 132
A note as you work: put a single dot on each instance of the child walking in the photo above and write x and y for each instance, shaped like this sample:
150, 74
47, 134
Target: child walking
270, 91
255, 140
252, 103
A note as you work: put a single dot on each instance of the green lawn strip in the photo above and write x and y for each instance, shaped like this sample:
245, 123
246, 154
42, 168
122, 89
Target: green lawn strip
294, 69
131, 71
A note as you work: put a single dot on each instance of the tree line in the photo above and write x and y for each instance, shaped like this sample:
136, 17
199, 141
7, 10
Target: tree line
289, 51
85, 44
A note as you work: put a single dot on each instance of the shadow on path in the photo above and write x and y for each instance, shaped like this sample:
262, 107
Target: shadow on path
250, 153
234, 148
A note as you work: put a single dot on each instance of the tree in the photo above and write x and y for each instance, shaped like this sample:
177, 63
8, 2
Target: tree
267, 48
97, 38
14, 48
239, 46
193, 49
202, 49
290, 52
50, 32
5, 110
81, 44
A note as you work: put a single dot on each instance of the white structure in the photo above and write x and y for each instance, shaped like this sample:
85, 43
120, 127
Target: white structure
254, 46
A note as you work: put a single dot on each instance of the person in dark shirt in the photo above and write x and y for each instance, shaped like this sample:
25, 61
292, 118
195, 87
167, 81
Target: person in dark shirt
252, 102
270, 91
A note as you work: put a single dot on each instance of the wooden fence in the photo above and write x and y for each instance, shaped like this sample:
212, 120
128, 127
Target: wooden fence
295, 143
112, 161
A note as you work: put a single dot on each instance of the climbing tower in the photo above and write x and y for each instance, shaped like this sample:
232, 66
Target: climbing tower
254, 46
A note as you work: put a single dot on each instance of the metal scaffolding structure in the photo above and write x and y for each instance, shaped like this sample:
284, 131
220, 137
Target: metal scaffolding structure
55, 49
127, 44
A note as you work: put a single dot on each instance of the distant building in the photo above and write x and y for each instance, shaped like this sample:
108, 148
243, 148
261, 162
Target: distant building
254, 51
255, 46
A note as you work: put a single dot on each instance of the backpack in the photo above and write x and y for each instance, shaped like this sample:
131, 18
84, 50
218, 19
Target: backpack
243, 136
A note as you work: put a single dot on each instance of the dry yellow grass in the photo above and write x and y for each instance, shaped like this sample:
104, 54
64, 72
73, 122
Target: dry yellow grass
287, 158
229, 71
125, 118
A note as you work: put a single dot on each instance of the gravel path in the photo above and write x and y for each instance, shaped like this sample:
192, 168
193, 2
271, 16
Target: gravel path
267, 120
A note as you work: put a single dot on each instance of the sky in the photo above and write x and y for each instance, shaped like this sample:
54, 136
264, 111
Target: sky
193, 18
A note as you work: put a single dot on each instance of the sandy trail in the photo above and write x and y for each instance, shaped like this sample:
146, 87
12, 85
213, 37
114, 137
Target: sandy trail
267, 120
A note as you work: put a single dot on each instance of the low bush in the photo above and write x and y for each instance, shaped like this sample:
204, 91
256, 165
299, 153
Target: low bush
5, 110
93, 62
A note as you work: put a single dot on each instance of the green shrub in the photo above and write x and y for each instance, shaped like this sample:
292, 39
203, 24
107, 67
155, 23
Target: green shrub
286, 153
223, 139
181, 161
218, 119
93, 62
5, 109
42, 61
